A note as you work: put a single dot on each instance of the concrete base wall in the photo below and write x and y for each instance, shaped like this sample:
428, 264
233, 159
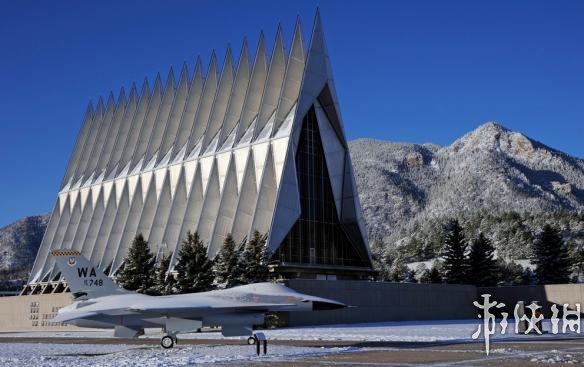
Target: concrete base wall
547, 295
381, 301
375, 301
32, 313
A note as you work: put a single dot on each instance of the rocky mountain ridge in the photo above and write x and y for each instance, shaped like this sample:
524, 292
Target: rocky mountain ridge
19, 242
491, 170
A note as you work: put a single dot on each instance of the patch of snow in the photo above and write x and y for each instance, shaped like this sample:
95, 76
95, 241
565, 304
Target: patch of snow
63, 355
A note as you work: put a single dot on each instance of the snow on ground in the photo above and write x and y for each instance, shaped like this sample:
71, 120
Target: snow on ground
213, 351
65, 355
408, 331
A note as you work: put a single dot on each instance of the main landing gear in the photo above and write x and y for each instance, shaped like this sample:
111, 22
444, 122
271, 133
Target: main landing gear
168, 341
257, 339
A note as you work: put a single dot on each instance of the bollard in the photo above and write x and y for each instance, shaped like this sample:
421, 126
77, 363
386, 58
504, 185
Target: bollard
521, 326
538, 313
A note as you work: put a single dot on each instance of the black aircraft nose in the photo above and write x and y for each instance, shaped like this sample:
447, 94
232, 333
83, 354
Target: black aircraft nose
322, 306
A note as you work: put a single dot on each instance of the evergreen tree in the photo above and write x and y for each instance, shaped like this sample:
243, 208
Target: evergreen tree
577, 257
254, 260
550, 257
528, 277
398, 270
482, 267
194, 269
453, 253
431, 276
234, 278
225, 262
382, 261
510, 273
138, 272
378, 259
435, 277
164, 280
410, 276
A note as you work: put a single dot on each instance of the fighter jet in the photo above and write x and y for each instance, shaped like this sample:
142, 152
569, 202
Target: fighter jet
100, 303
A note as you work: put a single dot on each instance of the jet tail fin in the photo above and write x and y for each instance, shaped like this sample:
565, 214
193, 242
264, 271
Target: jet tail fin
85, 280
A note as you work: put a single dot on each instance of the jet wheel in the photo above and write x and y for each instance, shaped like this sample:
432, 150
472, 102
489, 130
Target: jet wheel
251, 340
167, 342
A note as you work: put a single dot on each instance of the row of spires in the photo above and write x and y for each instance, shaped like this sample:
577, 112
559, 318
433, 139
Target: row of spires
122, 100
276, 94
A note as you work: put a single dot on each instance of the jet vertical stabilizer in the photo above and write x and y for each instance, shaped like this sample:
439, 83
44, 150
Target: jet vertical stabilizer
85, 280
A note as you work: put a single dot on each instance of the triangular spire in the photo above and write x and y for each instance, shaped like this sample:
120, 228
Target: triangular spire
318, 82
256, 83
184, 75
145, 92
121, 99
273, 83
157, 84
110, 102
195, 89
89, 111
133, 93
293, 78
198, 73
220, 101
212, 71
237, 98
228, 62
261, 53
170, 79
205, 105
99, 109
243, 56
297, 49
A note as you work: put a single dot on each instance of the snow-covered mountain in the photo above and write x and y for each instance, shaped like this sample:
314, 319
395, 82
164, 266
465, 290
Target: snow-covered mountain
491, 170
20, 241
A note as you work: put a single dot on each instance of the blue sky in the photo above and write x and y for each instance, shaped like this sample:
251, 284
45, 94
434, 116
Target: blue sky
416, 71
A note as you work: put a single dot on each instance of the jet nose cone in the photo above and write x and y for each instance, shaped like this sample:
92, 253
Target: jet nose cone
327, 305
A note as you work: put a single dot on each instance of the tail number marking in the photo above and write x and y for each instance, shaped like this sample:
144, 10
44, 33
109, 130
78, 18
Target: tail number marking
83, 273
93, 282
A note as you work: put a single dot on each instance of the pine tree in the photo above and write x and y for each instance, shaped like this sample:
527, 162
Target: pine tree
431, 276
398, 270
577, 257
509, 273
194, 269
225, 262
254, 260
164, 280
482, 267
410, 276
528, 277
434, 276
138, 272
550, 257
239, 269
453, 253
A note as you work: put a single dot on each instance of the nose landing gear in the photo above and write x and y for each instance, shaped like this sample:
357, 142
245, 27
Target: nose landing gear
257, 339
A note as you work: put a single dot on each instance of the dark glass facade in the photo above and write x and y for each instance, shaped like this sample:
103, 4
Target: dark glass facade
317, 237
